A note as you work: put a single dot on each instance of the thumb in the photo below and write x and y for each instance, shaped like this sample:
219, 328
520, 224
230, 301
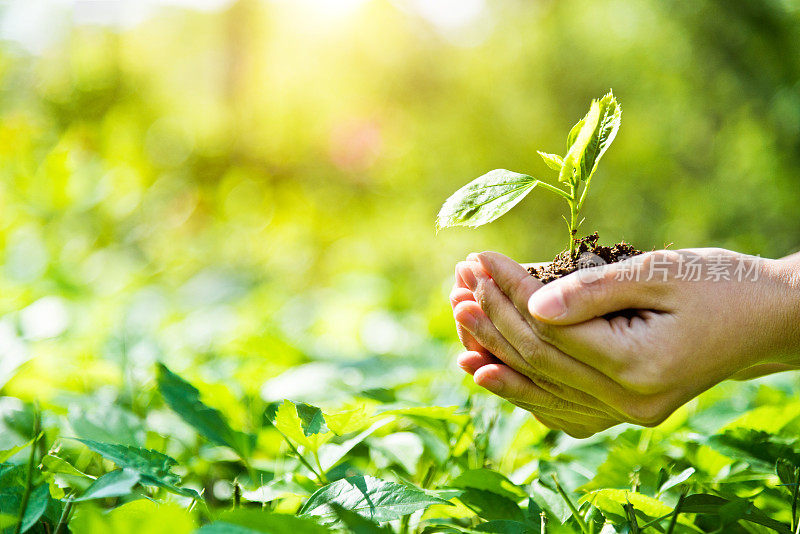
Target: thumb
594, 292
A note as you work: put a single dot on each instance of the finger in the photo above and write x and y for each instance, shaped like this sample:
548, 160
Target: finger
598, 291
605, 345
472, 318
578, 382
582, 427
519, 389
471, 361
464, 277
460, 294
512, 279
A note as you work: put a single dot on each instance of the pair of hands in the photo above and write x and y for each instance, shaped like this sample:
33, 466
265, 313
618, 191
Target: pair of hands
565, 353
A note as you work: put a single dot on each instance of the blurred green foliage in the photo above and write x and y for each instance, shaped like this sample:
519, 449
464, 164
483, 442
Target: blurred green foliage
256, 186
248, 194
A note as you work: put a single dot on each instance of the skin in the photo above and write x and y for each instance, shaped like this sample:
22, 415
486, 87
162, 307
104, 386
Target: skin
560, 352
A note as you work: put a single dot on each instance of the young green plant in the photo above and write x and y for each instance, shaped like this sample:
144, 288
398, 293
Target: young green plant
488, 197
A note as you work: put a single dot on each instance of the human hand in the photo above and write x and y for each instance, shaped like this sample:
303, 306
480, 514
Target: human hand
552, 402
686, 336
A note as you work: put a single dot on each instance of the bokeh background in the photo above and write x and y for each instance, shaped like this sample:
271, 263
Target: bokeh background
247, 190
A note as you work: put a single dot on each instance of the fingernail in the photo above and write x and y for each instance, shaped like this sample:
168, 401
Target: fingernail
484, 260
472, 256
468, 276
548, 303
467, 320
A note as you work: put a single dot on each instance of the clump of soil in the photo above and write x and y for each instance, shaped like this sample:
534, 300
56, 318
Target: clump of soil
588, 254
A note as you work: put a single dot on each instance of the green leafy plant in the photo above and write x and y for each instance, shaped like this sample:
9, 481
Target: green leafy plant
395, 468
488, 197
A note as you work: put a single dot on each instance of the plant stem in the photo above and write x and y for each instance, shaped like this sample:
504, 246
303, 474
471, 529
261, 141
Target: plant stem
573, 217
404, 524
64, 519
320, 477
237, 495
674, 520
554, 189
581, 523
37, 424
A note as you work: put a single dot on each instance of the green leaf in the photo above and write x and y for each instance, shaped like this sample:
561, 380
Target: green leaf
184, 398
485, 199
288, 422
37, 506
786, 471
573, 133
312, 418
348, 421
730, 511
488, 480
358, 524
553, 161
548, 500
114, 484
11, 475
246, 521
614, 500
5, 455
154, 467
571, 171
109, 423
11, 501
373, 498
755, 447
275, 489
674, 480
54, 464
402, 448
610, 118
135, 517
332, 453
491, 506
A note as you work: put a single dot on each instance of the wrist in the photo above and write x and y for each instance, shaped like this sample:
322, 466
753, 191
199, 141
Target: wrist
784, 274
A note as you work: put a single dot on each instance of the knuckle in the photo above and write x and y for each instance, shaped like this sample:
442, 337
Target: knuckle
483, 296
592, 283
529, 349
543, 331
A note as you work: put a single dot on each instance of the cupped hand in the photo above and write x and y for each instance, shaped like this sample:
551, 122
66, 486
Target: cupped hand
550, 400
699, 316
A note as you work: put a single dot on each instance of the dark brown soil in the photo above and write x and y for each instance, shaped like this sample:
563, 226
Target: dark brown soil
589, 254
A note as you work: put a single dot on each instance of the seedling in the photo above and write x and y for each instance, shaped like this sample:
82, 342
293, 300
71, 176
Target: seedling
486, 198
